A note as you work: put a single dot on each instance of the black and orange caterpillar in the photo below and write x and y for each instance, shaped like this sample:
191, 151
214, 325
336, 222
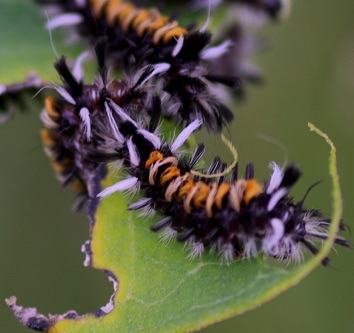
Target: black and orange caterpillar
136, 38
240, 218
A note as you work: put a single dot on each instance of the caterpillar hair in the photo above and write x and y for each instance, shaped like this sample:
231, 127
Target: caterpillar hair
237, 60
240, 218
136, 37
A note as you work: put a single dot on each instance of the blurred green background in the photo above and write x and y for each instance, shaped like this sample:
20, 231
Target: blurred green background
309, 71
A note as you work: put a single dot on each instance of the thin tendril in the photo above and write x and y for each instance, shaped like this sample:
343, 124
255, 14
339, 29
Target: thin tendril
234, 153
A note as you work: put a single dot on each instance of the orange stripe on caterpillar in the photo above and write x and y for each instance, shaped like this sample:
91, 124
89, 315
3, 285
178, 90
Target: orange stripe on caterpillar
47, 138
51, 107
143, 22
169, 174
252, 189
154, 157
198, 194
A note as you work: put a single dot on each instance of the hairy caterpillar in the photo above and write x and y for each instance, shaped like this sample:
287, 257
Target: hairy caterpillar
240, 218
187, 85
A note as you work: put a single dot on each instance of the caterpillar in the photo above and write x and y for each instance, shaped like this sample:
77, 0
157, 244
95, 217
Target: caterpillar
239, 219
188, 87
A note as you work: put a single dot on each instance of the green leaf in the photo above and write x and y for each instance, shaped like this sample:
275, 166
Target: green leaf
160, 290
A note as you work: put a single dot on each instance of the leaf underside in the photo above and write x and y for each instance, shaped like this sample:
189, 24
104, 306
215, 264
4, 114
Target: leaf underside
159, 289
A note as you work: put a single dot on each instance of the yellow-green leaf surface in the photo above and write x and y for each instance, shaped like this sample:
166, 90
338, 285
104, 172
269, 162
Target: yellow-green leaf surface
159, 290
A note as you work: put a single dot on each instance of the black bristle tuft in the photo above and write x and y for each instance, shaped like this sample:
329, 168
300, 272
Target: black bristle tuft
249, 174
71, 84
